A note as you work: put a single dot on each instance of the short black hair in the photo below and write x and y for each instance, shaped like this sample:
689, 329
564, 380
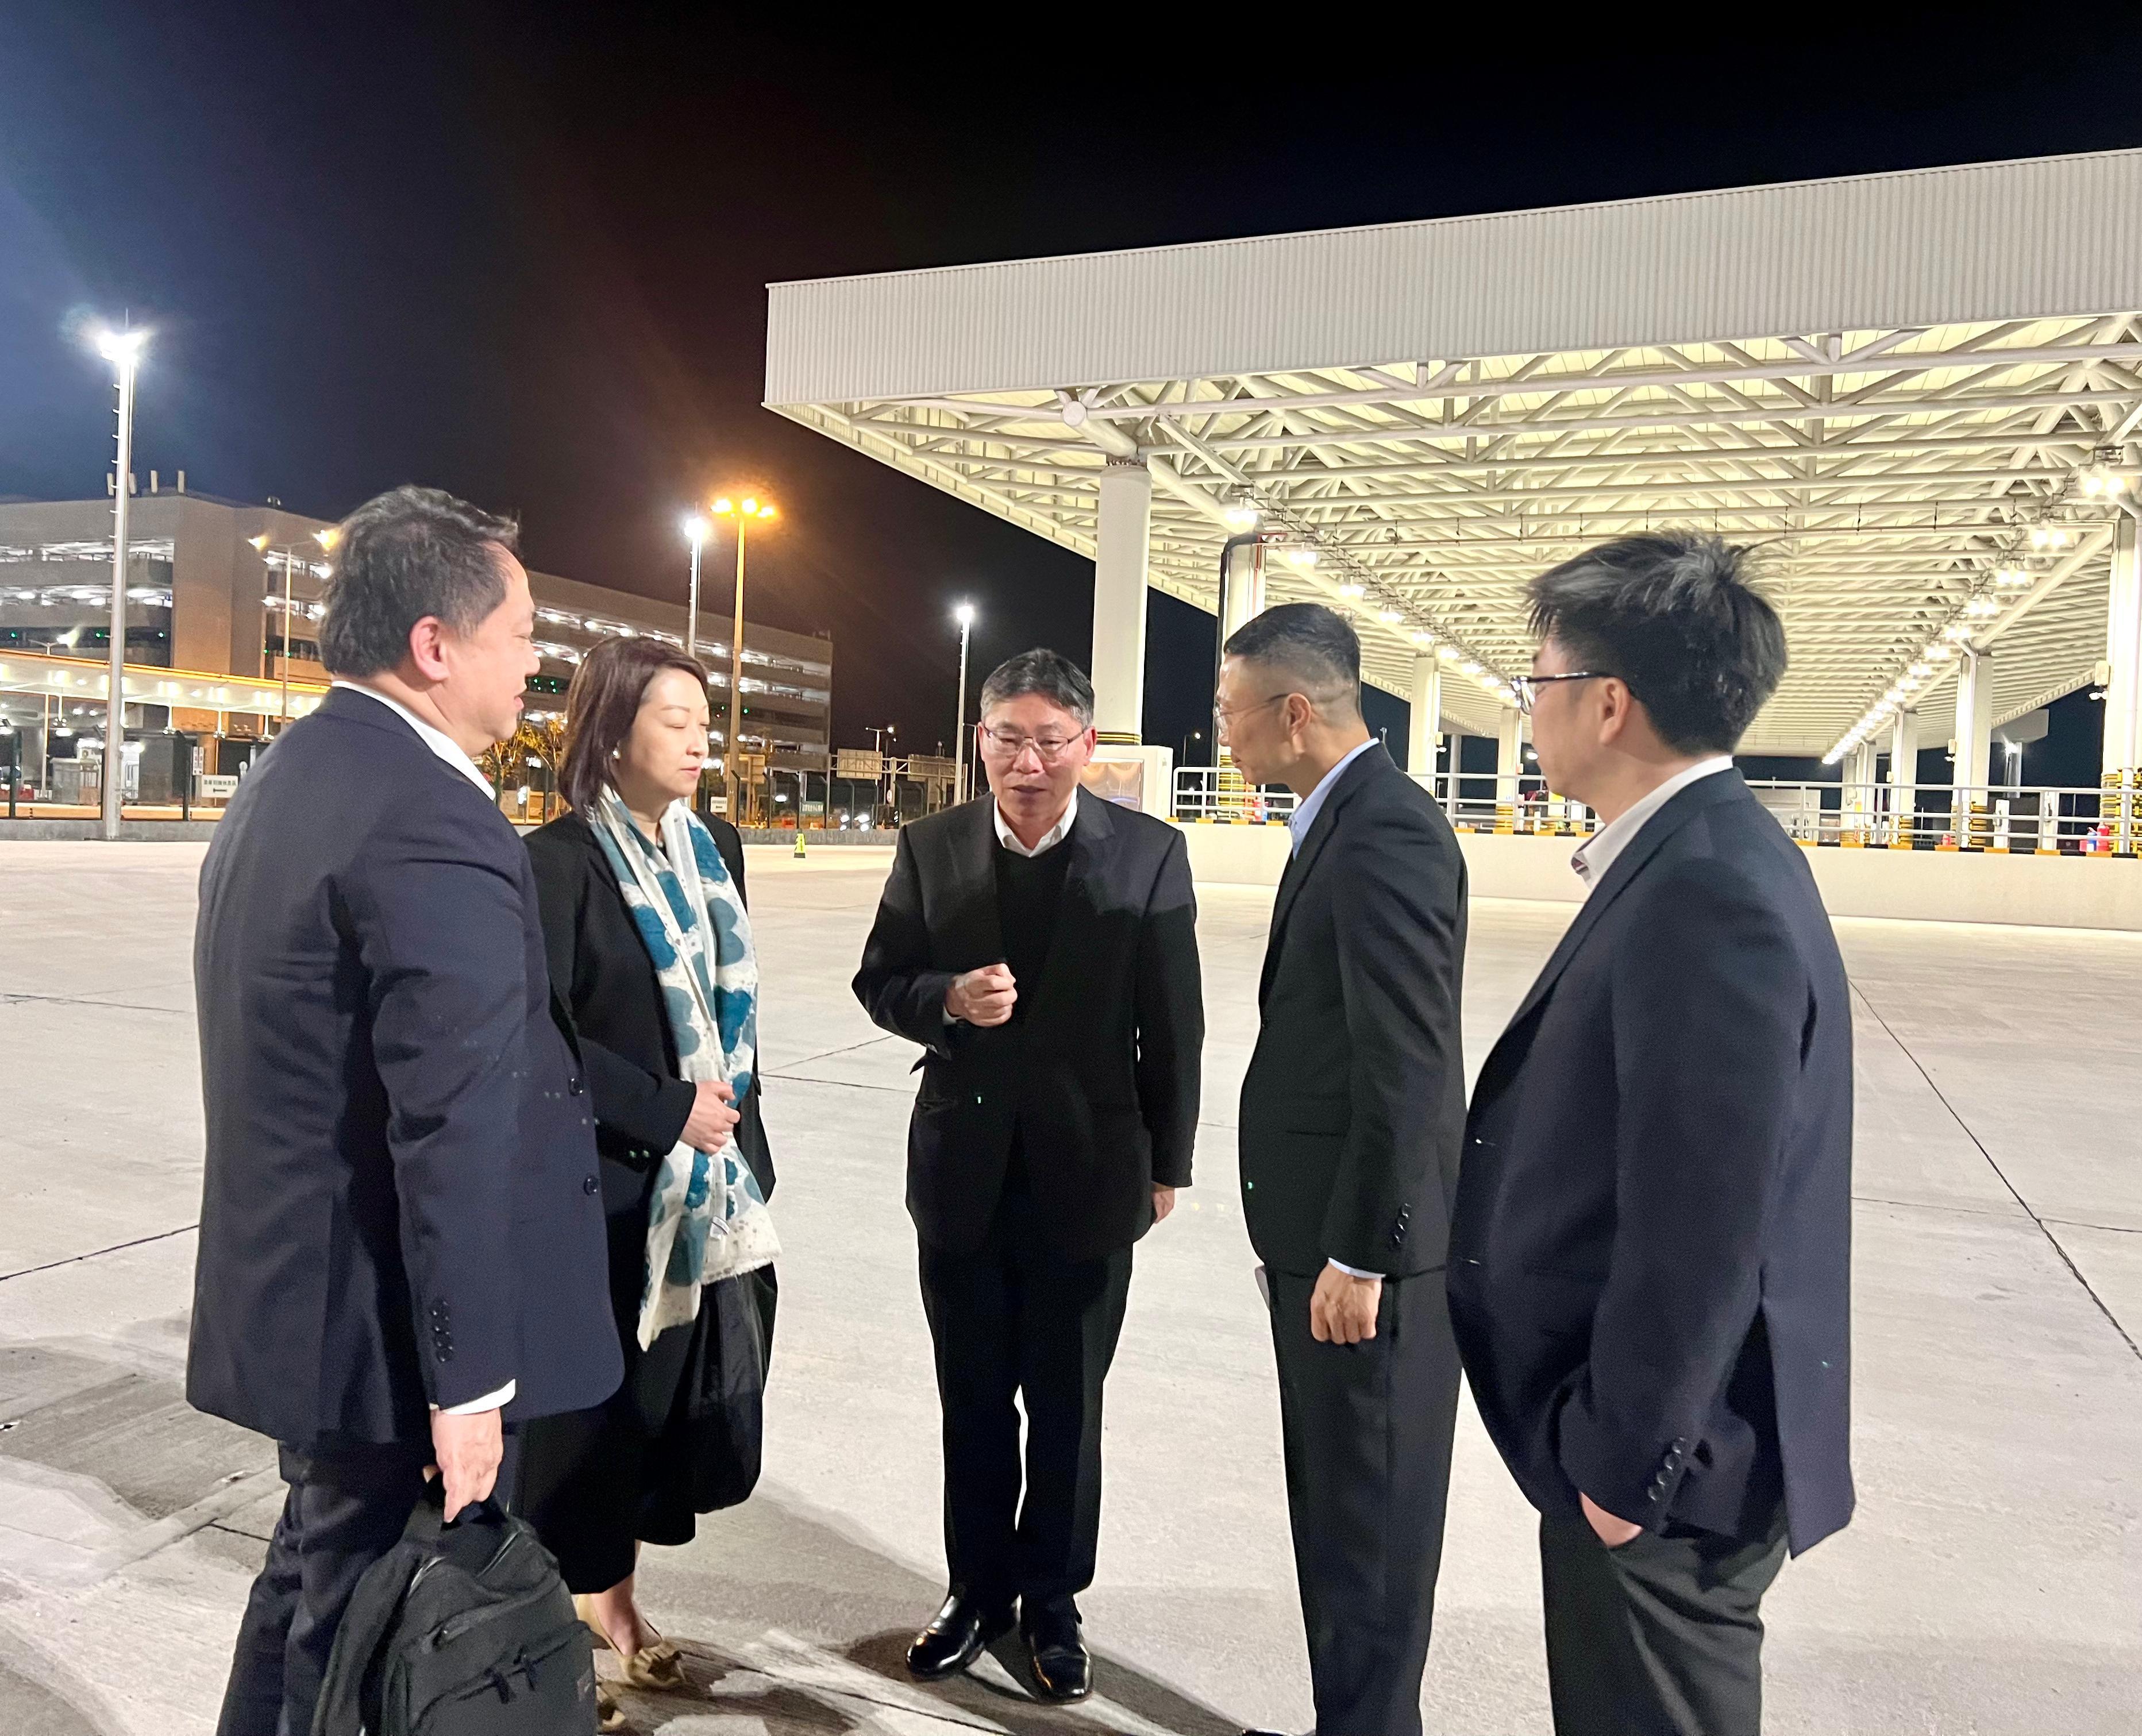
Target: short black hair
1673, 615
1315, 646
406, 553
1050, 674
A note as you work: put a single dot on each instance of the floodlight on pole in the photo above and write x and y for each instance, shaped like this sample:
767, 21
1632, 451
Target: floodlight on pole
965, 615
695, 528
122, 349
750, 507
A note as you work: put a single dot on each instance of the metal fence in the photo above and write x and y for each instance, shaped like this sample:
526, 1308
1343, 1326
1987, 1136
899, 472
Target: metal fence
2037, 820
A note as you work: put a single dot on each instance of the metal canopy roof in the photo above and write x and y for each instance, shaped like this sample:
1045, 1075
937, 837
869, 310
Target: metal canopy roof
1914, 390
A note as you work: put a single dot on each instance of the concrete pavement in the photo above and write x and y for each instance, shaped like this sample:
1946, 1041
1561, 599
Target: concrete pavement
1990, 1583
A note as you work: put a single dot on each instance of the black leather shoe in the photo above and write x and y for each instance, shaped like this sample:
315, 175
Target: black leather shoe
1056, 1649
957, 1635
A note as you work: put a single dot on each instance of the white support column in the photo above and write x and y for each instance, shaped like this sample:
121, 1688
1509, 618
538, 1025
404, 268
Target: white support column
1424, 730
1509, 761
2123, 687
1974, 749
1245, 588
1120, 578
1904, 778
1858, 816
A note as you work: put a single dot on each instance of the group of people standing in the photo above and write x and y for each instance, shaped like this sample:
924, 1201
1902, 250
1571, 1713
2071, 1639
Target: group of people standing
486, 1163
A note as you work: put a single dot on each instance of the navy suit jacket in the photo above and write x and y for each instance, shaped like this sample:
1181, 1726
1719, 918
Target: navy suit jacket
1353, 1109
400, 1206
1650, 1264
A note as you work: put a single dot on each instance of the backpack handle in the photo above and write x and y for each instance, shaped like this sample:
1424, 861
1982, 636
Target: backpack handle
428, 1519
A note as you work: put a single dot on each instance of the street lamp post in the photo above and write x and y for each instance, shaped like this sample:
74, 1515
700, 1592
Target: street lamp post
965, 615
123, 350
695, 533
877, 736
327, 540
749, 507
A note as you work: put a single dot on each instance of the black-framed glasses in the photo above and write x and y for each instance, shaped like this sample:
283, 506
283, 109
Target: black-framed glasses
1526, 687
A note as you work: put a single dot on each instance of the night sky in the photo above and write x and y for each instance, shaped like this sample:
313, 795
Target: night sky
519, 252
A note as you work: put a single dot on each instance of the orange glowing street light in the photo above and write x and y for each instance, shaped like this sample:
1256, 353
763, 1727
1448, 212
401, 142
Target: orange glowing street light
750, 507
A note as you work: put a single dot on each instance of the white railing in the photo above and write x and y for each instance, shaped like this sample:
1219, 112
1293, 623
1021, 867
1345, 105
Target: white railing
2042, 820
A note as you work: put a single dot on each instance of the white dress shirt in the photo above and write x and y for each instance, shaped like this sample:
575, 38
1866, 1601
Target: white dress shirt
1595, 855
1049, 840
442, 744
1306, 810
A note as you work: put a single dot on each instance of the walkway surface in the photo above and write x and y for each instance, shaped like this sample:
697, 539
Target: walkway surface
1992, 1583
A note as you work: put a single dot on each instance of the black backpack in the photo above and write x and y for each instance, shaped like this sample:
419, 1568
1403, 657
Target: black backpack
460, 1630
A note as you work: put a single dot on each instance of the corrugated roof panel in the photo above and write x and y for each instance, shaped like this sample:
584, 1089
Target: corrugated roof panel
1993, 241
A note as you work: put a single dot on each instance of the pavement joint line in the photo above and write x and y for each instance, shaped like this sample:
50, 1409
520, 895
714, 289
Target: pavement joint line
14, 998
2085, 1224
822, 1054
1859, 1199
2075, 1271
850, 1084
139, 1241
238, 1491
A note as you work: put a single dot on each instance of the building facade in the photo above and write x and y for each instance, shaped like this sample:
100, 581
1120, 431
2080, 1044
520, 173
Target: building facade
223, 602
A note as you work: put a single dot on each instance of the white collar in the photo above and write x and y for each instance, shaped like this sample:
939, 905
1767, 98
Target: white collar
1595, 855
430, 734
1049, 840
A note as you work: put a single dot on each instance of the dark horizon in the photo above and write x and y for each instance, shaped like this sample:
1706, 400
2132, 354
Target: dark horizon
521, 255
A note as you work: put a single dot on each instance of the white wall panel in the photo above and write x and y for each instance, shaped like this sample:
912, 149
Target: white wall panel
2041, 237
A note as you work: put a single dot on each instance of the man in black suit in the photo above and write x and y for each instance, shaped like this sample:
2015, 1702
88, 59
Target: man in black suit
1651, 1264
1352, 1113
1041, 945
401, 1237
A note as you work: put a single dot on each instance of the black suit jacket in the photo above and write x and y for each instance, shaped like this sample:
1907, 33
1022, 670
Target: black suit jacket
1099, 1076
399, 1204
1650, 1271
605, 996
1353, 1109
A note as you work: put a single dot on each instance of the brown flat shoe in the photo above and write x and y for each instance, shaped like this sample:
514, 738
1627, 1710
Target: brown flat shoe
656, 1666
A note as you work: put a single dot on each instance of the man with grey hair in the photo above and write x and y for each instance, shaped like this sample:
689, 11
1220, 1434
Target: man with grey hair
401, 1243
1353, 1111
1040, 945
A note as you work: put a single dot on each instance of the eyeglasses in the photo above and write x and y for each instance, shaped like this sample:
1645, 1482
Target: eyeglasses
1011, 743
1227, 715
1526, 687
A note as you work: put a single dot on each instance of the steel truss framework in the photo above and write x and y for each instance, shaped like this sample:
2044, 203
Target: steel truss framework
1890, 479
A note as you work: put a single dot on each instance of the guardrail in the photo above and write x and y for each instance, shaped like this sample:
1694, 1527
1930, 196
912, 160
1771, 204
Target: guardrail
2040, 820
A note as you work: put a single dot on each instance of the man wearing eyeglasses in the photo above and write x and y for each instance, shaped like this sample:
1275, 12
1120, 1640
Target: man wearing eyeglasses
1650, 1267
1041, 945
1352, 1114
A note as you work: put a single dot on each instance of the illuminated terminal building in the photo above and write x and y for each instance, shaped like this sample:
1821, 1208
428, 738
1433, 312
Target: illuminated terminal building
209, 663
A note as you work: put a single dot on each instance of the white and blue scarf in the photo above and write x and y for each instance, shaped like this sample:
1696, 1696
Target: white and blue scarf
706, 1220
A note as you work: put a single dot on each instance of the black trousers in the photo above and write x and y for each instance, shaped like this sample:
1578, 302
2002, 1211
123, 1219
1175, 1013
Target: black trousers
345, 1509
1368, 1429
1660, 1637
1016, 1320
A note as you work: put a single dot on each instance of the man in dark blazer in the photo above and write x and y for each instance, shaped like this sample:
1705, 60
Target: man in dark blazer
1352, 1113
401, 1238
1651, 1265
1041, 945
